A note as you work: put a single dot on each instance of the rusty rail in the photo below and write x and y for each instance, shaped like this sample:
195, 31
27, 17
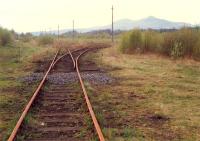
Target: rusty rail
92, 114
24, 113
74, 63
58, 59
54, 61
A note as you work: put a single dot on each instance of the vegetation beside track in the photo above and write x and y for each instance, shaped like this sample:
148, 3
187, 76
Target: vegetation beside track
16, 61
176, 44
153, 98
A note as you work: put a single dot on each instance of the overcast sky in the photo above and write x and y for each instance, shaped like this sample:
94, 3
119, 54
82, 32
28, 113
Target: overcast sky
37, 15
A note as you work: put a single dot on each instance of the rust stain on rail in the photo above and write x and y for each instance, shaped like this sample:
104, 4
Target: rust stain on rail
74, 63
95, 122
59, 58
28, 106
24, 113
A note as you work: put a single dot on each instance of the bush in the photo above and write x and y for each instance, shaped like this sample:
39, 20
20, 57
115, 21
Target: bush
152, 41
188, 38
138, 41
131, 41
124, 46
135, 40
196, 50
168, 43
26, 37
180, 43
5, 37
177, 50
45, 40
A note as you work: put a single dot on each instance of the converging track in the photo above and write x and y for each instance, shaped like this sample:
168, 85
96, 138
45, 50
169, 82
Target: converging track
59, 110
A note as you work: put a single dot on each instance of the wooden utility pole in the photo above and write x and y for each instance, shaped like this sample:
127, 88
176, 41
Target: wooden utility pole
112, 26
49, 31
19, 54
58, 32
73, 30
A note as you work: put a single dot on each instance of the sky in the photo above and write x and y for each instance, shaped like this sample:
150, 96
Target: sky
40, 15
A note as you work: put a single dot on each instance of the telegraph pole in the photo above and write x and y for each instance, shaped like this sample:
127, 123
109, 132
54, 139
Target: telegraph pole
58, 32
19, 54
73, 30
49, 31
112, 26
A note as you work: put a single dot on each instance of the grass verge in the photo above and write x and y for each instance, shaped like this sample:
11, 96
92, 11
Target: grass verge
16, 62
153, 98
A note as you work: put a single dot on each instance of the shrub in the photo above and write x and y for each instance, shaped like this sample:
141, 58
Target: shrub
177, 43
177, 50
138, 41
61, 43
135, 40
5, 37
147, 39
152, 41
26, 37
196, 50
168, 43
45, 40
188, 38
131, 41
124, 43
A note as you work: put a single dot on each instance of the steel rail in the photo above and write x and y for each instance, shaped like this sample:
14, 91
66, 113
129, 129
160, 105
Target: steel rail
74, 63
58, 59
92, 114
25, 111
64, 56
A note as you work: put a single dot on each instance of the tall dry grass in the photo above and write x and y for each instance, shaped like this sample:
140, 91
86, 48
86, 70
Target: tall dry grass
45, 40
181, 43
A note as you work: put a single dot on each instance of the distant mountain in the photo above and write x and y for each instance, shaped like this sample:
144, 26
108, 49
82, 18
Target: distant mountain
156, 23
127, 24
124, 24
147, 23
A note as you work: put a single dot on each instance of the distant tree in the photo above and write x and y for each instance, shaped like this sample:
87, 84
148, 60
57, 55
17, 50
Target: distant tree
5, 37
26, 37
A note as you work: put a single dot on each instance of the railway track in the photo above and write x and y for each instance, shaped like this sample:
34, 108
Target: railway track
59, 111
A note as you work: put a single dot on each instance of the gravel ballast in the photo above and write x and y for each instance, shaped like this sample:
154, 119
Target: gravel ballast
66, 78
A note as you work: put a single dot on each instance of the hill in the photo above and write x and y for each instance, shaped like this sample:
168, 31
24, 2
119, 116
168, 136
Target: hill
127, 24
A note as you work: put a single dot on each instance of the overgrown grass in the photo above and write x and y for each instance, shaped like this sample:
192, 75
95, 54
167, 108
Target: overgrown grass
15, 62
155, 98
181, 43
45, 40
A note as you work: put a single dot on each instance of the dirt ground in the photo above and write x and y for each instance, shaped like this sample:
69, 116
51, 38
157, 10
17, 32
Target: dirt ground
152, 97
149, 98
